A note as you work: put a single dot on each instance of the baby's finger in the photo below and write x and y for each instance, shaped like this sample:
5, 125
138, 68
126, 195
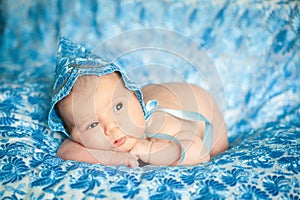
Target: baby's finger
133, 163
134, 156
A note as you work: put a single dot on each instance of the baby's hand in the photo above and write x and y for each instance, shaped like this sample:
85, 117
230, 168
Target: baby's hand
71, 150
141, 149
124, 158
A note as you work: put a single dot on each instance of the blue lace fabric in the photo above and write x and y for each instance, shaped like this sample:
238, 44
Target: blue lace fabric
254, 45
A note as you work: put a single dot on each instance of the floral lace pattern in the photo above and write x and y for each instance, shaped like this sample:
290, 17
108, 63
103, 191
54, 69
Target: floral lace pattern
255, 48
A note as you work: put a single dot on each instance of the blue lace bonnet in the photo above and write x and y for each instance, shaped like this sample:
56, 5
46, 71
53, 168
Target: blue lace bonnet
73, 61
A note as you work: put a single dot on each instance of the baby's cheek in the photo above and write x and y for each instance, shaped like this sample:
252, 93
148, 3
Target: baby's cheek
75, 136
136, 115
96, 141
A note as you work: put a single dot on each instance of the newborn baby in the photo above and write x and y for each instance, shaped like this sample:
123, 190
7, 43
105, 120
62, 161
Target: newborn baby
111, 121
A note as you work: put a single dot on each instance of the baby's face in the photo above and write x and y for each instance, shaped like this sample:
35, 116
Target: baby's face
103, 114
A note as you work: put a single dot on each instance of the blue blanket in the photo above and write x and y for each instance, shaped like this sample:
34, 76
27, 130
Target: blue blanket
245, 53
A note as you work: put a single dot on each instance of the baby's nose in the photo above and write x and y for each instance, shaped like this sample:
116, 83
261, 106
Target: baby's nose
111, 129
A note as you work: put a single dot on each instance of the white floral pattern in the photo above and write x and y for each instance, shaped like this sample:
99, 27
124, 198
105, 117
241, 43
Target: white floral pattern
255, 48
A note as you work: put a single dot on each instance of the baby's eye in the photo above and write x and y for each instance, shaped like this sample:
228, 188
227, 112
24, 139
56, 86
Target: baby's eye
118, 107
93, 125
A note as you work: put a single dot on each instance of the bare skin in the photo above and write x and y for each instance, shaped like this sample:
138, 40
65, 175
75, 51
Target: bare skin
106, 124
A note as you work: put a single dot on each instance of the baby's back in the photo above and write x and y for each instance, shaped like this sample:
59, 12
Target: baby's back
188, 97
180, 96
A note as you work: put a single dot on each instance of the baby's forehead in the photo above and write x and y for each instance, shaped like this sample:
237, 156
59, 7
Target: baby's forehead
87, 85
86, 80
93, 80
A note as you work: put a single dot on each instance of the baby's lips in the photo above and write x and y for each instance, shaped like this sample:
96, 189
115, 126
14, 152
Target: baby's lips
120, 141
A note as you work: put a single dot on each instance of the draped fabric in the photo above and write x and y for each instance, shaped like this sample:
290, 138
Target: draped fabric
246, 53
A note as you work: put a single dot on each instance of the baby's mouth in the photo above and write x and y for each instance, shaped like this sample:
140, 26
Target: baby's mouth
120, 141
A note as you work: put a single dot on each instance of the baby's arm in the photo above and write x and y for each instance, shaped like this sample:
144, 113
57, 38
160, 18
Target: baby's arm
169, 153
193, 145
157, 152
70, 150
